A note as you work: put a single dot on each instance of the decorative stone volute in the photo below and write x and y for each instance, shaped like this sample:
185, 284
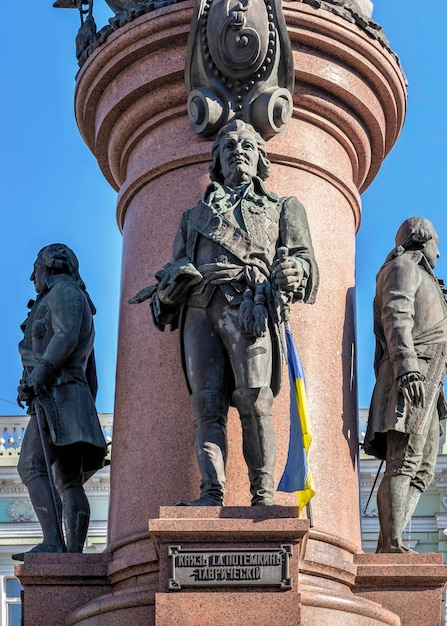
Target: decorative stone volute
239, 65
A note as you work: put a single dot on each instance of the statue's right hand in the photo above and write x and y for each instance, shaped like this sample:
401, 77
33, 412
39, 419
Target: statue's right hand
26, 393
143, 294
412, 388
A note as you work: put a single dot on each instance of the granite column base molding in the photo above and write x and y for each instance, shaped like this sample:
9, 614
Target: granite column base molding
327, 579
132, 574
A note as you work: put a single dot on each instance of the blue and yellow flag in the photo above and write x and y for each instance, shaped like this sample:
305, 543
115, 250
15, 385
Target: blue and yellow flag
297, 475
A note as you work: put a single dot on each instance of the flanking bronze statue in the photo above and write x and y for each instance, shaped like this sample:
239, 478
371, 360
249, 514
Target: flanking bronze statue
410, 325
226, 287
63, 443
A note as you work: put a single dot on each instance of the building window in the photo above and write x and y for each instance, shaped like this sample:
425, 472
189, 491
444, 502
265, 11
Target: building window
12, 601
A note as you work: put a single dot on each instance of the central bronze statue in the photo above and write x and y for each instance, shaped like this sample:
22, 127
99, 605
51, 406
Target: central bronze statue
228, 288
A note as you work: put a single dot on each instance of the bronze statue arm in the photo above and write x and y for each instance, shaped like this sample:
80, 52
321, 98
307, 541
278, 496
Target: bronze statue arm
299, 272
398, 283
67, 304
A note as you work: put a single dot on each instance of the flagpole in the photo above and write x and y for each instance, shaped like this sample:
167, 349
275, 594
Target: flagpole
309, 514
294, 363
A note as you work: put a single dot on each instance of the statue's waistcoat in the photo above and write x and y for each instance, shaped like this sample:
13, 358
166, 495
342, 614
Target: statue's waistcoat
253, 242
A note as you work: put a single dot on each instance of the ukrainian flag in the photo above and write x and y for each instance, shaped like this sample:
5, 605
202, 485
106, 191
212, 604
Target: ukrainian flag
297, 475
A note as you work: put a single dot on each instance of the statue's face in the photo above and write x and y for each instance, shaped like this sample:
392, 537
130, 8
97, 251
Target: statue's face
39, 275
431, 251
239, 157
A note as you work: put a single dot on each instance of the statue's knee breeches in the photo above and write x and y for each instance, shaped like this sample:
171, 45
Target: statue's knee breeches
404, 454
69, 468
257, 401
414, 455
426, 470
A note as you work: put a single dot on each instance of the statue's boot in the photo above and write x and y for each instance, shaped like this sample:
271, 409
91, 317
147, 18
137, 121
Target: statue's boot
42, 500
414, 495
76, 513
210, 417
392, 502
259, 441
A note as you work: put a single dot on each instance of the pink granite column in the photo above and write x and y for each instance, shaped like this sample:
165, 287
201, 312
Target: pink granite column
349, 106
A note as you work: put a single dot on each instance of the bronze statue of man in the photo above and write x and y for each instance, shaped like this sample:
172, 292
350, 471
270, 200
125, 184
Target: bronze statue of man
410, 325
63, 439
224, 287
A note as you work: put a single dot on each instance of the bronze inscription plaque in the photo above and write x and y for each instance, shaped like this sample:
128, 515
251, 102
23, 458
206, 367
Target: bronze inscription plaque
236, 567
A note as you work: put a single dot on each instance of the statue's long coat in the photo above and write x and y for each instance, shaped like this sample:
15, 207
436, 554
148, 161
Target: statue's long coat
410, 324
274, 222
57, 350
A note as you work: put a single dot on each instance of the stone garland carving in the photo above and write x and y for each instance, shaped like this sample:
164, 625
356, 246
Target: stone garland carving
88, 38
348, 9
338, 7
239, 65
352, 12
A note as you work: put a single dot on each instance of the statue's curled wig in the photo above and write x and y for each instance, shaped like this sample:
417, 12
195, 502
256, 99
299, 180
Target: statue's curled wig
60, 259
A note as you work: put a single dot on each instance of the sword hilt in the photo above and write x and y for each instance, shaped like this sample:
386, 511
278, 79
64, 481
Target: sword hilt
283, 253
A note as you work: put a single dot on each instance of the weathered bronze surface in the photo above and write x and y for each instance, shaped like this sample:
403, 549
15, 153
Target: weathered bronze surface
241, 256
64, 438
363, 8
410, 324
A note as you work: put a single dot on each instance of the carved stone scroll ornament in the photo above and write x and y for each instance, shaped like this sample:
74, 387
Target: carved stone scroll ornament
239, 65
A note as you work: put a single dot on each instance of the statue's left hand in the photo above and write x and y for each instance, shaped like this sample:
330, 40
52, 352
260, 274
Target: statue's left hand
288, 274
143, 294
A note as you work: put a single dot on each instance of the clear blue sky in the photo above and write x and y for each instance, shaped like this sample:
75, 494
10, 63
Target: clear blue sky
53, 191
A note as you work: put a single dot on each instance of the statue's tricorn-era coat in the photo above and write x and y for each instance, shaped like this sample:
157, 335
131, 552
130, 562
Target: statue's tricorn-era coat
204, 233
410, 324
57, 351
